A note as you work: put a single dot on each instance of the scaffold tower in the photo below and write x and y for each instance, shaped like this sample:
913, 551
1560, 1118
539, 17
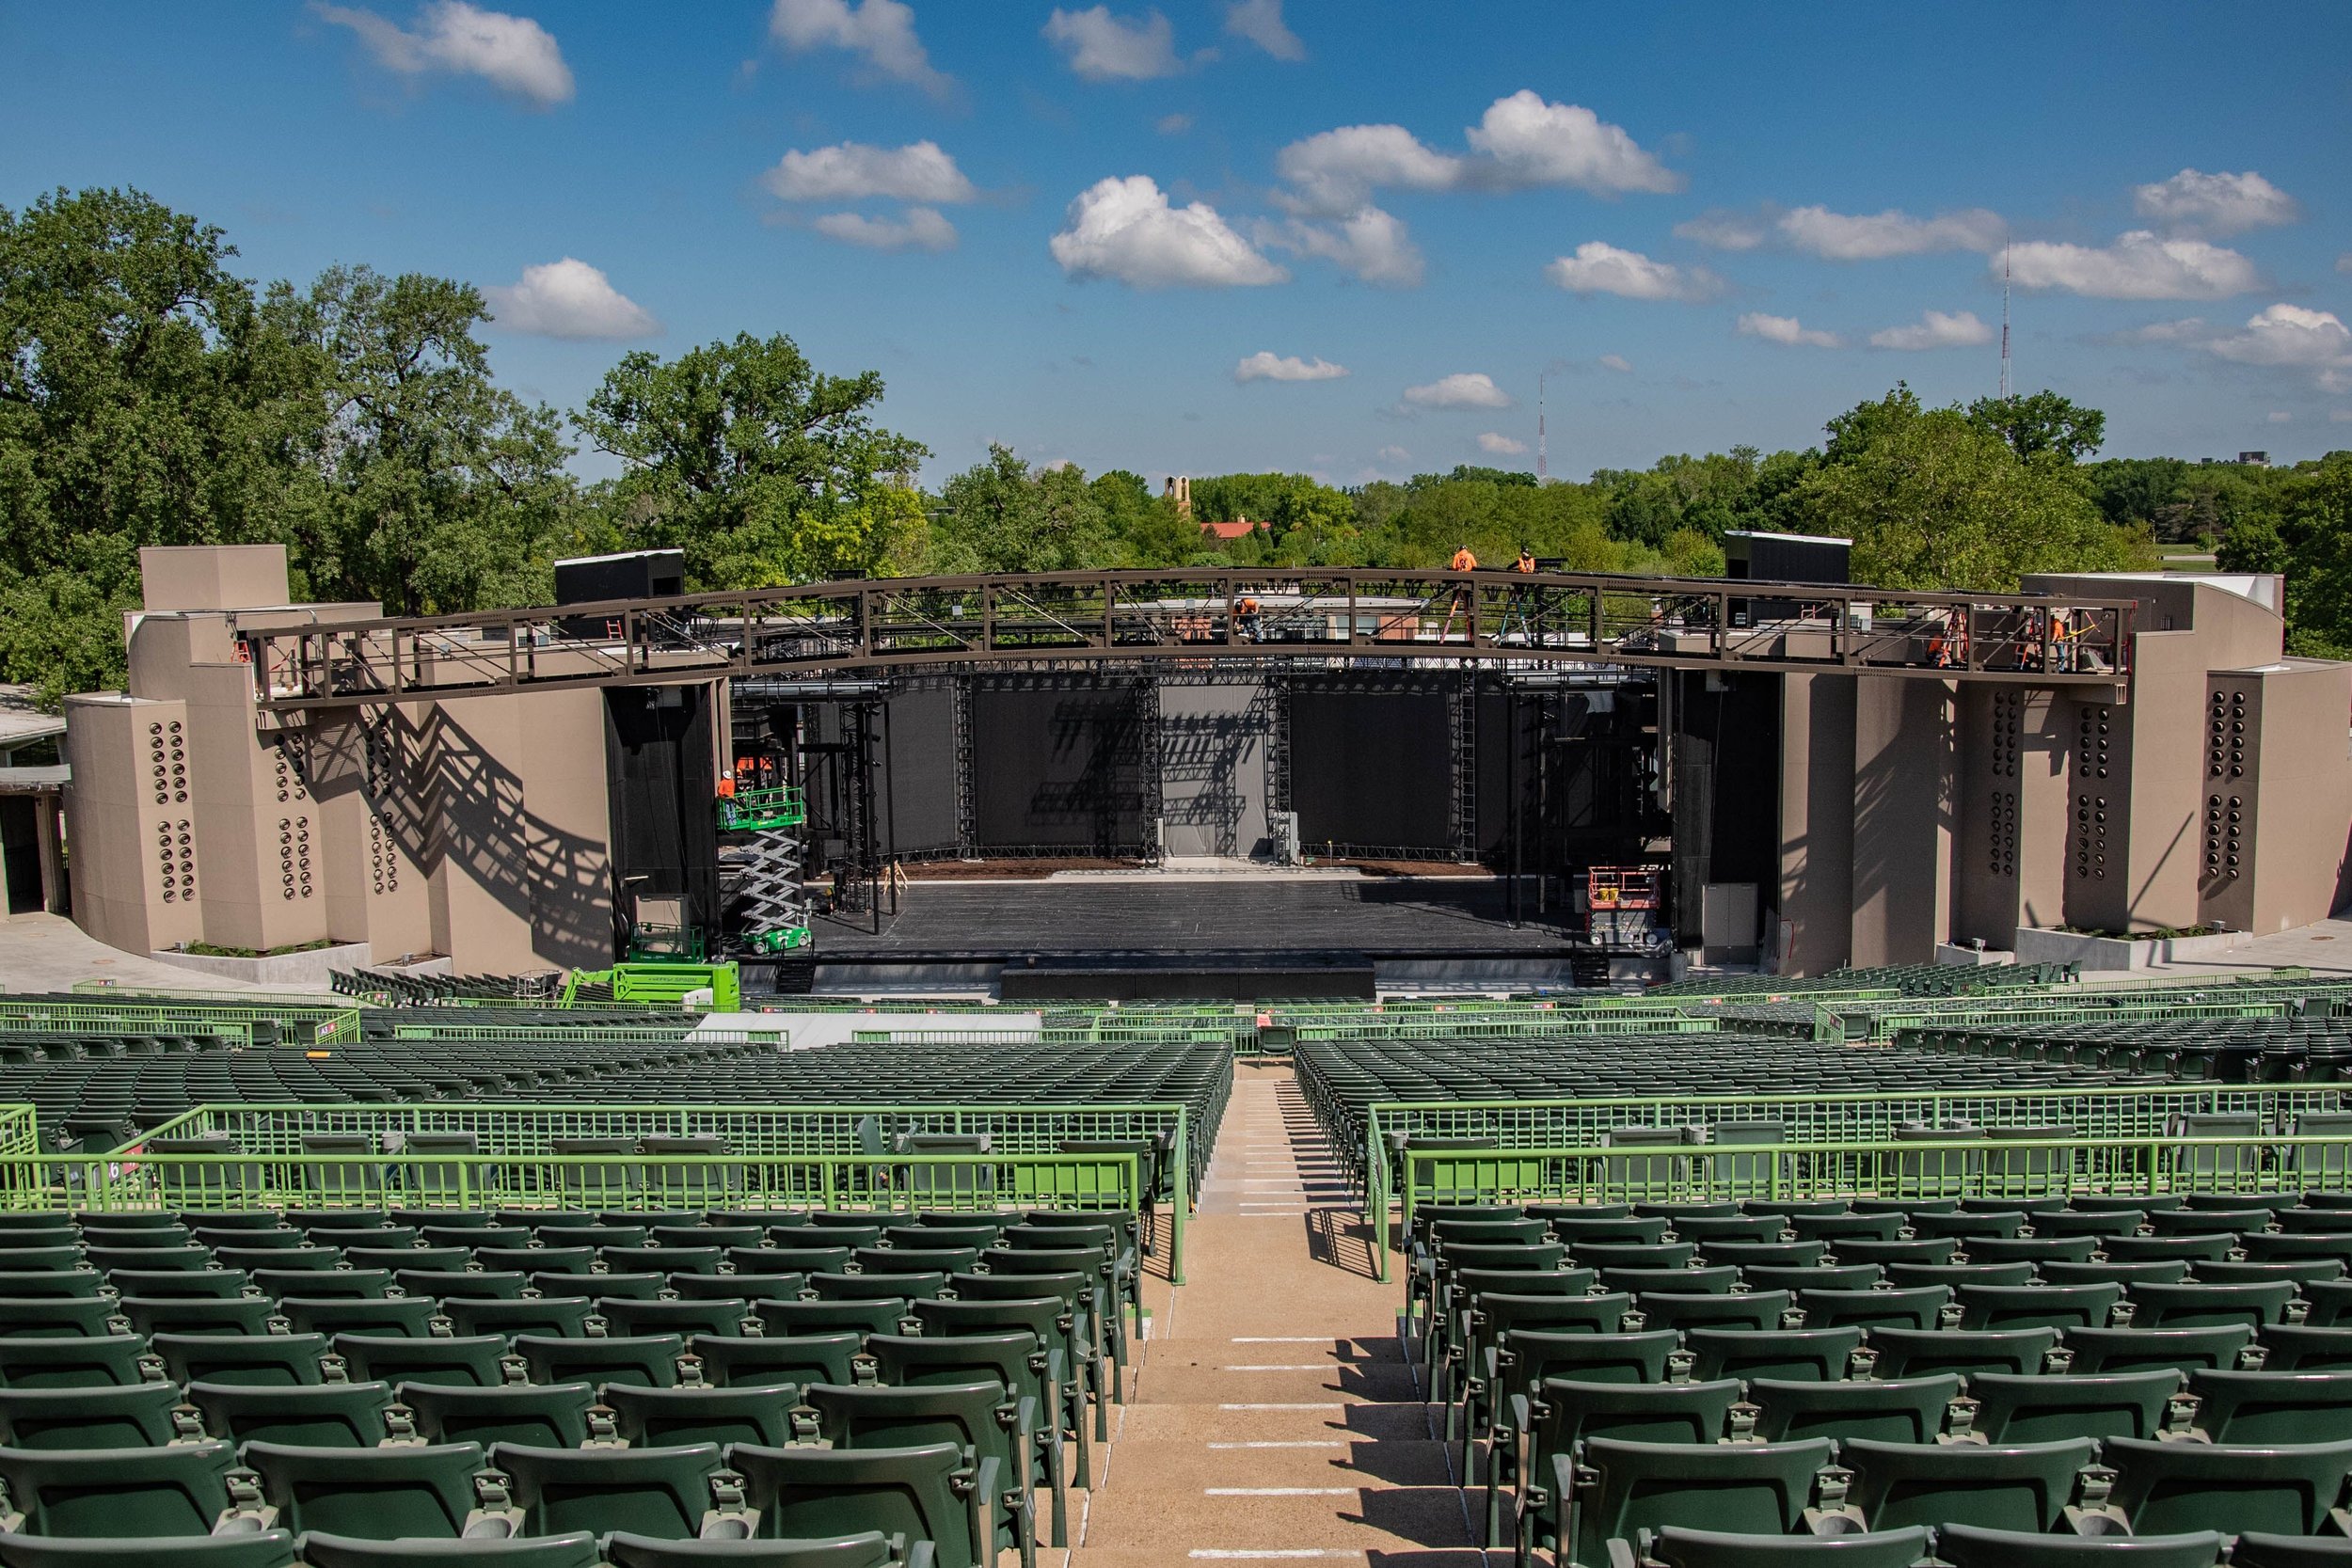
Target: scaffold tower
775, 903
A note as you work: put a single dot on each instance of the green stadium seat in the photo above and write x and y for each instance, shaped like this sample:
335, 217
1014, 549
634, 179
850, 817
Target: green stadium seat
439, 1259
1992, 1306
1904, 1277
1921, 1353
178, 1491
2031, 1249
751, 1287
1676, 1281
2070, 1221
2194, 1221
57, 1316
2009, 1408
613, 1287
1898, 1410
2130, 1350
1809, 1354
1621, 1489
2280, 1488
256, 1549
19, 1285
669, 1492
2301, 1273
479, 1361
1755, 1309
142, 1416
345, 1284
1966, 1547
1862, 1250
922, 1493
869, 1287
307, 1260
2159, 1271
724, 1314
2022, 1487
1627, 1228
535, 1259
1825, 1276
560, 1317
885, 1316
267, 1360
648, 1360
655, 1418
1969, 1226
2301, 1348
323, 1549
177, 1259
2331, 1303
2261, 1549
782, 1361
1731, 1227
246, 1315
789, 1260
1463, 1371
869, 1549
2272, 1407
375, 1493
195, 1284
1675, 1548
1597, 1254
1835, 1229
545, 1415
1921, 1308
2166, 1249
662, 1260
2210, 1305
1561, 1413
324, 1416
980, 1417
78, 1361
333, 1315
504, 1284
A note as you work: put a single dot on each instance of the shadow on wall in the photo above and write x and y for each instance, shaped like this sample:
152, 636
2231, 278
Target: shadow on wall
444, 801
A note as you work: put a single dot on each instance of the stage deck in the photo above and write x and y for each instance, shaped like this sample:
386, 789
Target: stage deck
1373, 917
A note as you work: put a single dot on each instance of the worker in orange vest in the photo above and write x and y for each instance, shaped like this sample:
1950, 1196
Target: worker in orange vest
1459, 604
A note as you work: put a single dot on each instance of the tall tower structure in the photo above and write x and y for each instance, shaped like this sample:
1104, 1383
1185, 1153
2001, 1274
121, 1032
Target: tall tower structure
2005, 381
1543, 461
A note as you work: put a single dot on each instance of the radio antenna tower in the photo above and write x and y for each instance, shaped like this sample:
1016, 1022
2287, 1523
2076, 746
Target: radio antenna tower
1543, 466
2005, 384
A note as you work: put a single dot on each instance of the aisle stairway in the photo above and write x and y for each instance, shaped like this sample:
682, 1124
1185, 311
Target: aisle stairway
1271, 1415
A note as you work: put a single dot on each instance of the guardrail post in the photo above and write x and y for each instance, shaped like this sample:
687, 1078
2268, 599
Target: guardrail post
1181, 1200
1375, 1192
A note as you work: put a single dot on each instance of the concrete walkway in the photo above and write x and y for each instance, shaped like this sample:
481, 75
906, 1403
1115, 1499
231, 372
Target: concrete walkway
1272, 1418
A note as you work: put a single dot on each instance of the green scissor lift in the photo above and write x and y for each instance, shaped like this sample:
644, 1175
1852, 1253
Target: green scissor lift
776, 913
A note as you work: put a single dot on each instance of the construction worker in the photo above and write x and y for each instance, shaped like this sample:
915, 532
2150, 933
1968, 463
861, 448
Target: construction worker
1460, 603
1247, 618
1525, 564
1463, 560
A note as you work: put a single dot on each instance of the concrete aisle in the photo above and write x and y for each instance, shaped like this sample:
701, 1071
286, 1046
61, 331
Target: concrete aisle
1273, 1418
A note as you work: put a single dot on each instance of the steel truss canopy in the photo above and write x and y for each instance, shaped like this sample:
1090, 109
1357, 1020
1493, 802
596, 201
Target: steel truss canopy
1354, 614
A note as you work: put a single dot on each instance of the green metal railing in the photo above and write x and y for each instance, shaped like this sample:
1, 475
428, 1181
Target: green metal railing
765, 1139
2036, 1167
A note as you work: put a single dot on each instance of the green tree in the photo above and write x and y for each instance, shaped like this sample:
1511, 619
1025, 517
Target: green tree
436, 489
761, 468
2041, 422
142, 402
2311, 540
1935, 500
1002, 515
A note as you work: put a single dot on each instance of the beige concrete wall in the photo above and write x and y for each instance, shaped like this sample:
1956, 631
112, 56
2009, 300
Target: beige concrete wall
2278, 804
1815, 895
137, 881
1904, 806
2010, 852
212, 576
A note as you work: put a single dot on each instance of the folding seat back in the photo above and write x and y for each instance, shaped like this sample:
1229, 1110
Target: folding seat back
1564, 1412
502, 1285
178, 1491
1636, 1229
2070, 1222
885, 1316
1968, 1226
2301, 1348
2263, 1248
2024, 1486
1492, 1316
2210, 1305
1994, 1306
1938, 1249
1754, 1310
1516, 1282
1704, 1228
2331, 1303
345, 1284
662, 1492
1908, 1276
325, 1549
325, 1415
1965, 1546
2031, 1249
197, 1284
782, 1361
19, 1285
1916, 1352
141, 1415
2157, 1271
1821, 1276
593, 1235
306, 1260
1838, 1228
2272, 1407
1809, 1354
1523, 1231
55, 1317
2128, 1350
659, 1418
709, 1235
2263, 1549
662, 1260
547, 1415
1618, 1254
1016, 1361
1770, 1254
1897, 1410
377, 1493
2166, 1249
259, 1549
869, 1286
333, 1315
270, 1360
560, 1316
725, 1315
535, 1259
1624, 1488
1676, 1548
478, 1361
751, 1287
2032, 1408
2193, 1221
177, 1259
649, 1360
1673, 1281
2281, 1488
975, 1416
1512, 1255
1534, 1355
789, 1260
1919, 1308
78, 1361
922, 1493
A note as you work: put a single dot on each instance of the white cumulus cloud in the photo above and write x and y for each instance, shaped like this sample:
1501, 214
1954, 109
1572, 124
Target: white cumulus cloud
568, 299
1875, 236
1462, 390
1936, 329
1126, 230
1374, 245
2215, 203
2139, 265
916, 228
853, 171
1500, 445
1102, 47
879, 32
1335, 171
1265, 365
1785, 330
1617, 362
514, 54
1260, 21
1535, 143
2289, 335
1600, 268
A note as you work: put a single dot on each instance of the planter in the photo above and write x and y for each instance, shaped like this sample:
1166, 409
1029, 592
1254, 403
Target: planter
2036, 944
312, 970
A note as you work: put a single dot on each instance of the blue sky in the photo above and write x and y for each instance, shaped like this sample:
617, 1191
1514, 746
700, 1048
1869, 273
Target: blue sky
1154, 236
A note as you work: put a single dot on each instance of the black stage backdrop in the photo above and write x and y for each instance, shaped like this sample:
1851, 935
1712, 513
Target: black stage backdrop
665, 832
1371, 764
1058, 764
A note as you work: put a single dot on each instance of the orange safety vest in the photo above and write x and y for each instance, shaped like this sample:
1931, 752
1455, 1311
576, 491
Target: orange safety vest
1464, 560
